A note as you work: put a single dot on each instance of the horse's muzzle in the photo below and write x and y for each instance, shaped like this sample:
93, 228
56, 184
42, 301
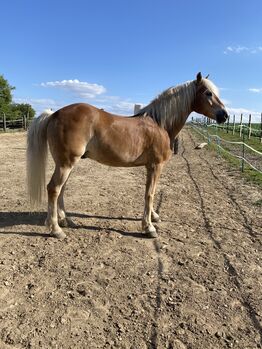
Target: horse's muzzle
221, 116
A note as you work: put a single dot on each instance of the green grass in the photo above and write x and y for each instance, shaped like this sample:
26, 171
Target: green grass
249, 174
258, 203
253, 142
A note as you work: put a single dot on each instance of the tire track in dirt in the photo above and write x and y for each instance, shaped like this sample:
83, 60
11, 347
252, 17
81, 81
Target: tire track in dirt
154, 336
106, 286
240, 210
160, 267
233, 275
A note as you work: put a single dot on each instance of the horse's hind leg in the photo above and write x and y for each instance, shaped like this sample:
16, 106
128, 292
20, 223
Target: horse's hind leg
54, 187
63, 220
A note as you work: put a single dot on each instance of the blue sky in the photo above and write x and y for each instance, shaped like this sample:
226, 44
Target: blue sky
113, 53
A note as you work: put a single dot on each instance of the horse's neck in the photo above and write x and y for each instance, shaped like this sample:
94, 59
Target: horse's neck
181, 112
178, 124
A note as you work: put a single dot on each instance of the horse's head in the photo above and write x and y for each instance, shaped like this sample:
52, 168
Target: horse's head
207, 100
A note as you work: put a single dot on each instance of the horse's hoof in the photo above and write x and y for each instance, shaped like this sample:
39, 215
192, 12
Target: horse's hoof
63, 223
58, 234
155, 218
151, 232
67, 223
70, 223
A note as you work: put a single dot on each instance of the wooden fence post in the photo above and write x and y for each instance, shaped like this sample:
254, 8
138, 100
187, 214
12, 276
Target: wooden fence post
241, 125
243, 153
228, 123
234, 124
261, 128
4, 122
249, 127
24, 122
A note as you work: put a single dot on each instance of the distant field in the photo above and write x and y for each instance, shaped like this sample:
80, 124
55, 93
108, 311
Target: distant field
227, 133
232, 150
255, 128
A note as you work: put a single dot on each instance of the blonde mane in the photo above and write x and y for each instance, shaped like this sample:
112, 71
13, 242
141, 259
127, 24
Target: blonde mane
174, 105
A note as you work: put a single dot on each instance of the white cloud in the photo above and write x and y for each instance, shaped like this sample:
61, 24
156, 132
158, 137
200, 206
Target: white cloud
92, 93
238, 111
38, 101
241, 49
125, 106
226, 101
80, 89
40, 104
121, 107
255, 90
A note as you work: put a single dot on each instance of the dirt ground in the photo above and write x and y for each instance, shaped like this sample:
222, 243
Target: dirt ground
198, 286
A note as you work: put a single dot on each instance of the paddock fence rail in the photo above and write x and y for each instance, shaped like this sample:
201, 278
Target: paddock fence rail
248, 128
7, 123
246, 154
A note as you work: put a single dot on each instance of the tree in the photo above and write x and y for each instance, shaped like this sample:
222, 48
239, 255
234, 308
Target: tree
12, 110
5, 95
21, 109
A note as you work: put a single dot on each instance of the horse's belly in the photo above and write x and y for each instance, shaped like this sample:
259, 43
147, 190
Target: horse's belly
117, 161
115, 156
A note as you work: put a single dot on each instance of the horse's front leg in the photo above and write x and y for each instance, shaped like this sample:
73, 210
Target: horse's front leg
155, 216
153, 173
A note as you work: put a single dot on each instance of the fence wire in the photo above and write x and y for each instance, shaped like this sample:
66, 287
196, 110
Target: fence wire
240, 150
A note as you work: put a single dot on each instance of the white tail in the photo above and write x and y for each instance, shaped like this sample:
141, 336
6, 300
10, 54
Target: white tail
36, 158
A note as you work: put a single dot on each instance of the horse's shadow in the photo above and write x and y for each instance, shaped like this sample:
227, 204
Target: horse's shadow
8, 219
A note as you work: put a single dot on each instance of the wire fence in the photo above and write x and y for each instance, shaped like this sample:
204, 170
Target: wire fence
249, 128
238, 149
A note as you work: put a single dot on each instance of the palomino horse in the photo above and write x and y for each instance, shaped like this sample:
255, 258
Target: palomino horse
83, 131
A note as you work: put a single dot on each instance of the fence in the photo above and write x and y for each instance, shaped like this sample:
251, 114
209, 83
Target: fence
231, 126
6, 124
240, 150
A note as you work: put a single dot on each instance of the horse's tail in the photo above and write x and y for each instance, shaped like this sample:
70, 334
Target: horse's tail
36, 157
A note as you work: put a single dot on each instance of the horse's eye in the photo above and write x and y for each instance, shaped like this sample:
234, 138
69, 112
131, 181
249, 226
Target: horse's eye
209, 94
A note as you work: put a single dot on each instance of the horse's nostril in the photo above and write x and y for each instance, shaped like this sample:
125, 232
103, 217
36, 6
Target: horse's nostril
221, 116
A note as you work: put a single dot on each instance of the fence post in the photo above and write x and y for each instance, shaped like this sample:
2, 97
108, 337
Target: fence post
241, 125
228, 123
243, 152
24, 122
137, 107
217, 142
249, 127
234, 124
261, 128
4, 122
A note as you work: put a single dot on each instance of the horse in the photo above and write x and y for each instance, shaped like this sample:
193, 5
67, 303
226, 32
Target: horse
145, 139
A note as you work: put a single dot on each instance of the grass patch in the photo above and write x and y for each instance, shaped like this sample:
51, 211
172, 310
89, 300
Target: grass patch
249, 173
253, 142
258, 203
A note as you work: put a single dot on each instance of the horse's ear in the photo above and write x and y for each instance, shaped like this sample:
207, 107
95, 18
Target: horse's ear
207, 76
199, 77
